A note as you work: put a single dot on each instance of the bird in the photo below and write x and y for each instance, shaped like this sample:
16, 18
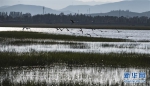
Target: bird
26, 28
23, 28
73, 33
67, 29
93, 29
118, 31
61, 29
101, 30
57, 28
128, 36
72, 21
81, 30
96, 34
88, 34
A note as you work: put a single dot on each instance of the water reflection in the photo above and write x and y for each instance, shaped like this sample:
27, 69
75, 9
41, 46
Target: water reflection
63, 74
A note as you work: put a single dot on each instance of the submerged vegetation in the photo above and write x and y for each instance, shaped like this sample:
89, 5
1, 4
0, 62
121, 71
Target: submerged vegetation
74, 59
36, 35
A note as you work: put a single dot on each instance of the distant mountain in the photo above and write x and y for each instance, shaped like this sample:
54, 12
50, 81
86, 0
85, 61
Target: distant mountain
3, 6
30, 9
132, 5
122, 13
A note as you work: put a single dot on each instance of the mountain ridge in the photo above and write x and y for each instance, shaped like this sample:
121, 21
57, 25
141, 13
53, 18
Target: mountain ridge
85, 9
133, 5
120, 13
33, 9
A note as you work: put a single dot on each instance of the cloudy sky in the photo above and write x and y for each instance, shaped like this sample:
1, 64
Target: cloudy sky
55, 4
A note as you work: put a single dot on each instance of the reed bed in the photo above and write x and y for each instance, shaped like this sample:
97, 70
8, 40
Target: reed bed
37, 35
33, 58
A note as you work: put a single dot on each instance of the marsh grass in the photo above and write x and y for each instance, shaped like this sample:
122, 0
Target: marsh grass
79, 46
74, 59
7, 82
120, 45
24, 42
37, 35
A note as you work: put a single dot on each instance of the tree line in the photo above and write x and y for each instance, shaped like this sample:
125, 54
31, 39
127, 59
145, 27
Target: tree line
79, 19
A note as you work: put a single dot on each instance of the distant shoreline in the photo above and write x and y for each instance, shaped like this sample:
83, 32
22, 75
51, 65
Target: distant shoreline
77, 26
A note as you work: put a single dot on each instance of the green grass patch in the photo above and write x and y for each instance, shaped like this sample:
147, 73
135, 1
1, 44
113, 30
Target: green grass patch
8, 59
36, 35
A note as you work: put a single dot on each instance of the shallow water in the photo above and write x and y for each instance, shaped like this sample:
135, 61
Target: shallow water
74, 46
137, 35
63, 74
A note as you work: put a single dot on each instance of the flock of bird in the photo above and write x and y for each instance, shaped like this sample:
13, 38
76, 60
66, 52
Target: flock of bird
81, 30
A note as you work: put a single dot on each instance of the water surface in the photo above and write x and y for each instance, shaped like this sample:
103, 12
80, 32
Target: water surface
137, 35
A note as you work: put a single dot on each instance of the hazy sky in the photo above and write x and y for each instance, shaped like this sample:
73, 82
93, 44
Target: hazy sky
55, 4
